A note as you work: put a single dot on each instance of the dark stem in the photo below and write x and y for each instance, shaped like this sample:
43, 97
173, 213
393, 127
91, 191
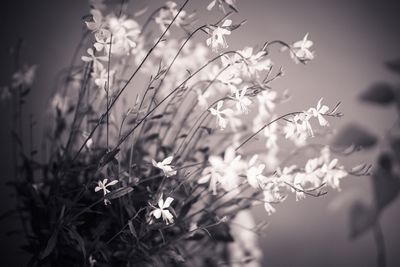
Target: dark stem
380, 244
128, 82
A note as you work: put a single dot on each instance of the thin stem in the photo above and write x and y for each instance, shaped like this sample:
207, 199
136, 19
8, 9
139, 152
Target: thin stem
128, 82
380, 245
265, 126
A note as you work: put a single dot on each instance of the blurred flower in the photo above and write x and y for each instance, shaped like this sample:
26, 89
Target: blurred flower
254, 173
24, 77
97, 20
224, 171
5, 93
165, 166
217, 39
103, 39
124, 33
230, 3
271, 136
301, 50
221, 115
97, 4
60, 103
97, 65
102, 77
333, 173
92, 261
245, 250
167, 14
162, 210
202, 98
242, 101
89, 142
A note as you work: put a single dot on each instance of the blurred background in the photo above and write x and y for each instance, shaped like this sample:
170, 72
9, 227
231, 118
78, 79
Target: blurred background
353, 39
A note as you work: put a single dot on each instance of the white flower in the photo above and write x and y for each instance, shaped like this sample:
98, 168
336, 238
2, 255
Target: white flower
225, 172
102, 185
125, 33
4, 93
254, 173
217, 39
162, 210
24, 77
165, 166
221, 115
97, 20
319, 112
97, 65
97, 4
92, 261
242, 101
103, 39
167, 14
271, 195
230, 3
267, 99
299, 129
102, 77
89, 142
302, 50
60, 103
255, 63
202, 98
333, 173
271, 136
230, 78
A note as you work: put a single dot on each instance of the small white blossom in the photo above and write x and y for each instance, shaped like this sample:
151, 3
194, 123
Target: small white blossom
202, 98
125, 33
97, 65
333, 173
302, 50
162, 210
103, 39
92, 261
224, 171
242, 101
213, 3
24, 77
97, 20
165, 166
102, 185
254, 173
217, 39
102, 77
167, 14
319, 113
221, 115
5, 93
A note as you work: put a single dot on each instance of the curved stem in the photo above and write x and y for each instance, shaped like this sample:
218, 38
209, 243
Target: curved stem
265, 126
128, 82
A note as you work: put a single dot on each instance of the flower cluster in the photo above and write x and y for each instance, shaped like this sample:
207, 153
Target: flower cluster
161, 126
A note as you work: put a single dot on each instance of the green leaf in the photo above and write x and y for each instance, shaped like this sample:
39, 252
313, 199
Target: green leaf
119, 193
51, 244
385, 184
75, 235
356, 135
132, 228
109, 156
362, 217
380, 93
394, 65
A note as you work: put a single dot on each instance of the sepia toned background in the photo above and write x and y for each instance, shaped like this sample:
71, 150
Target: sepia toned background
353, 38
